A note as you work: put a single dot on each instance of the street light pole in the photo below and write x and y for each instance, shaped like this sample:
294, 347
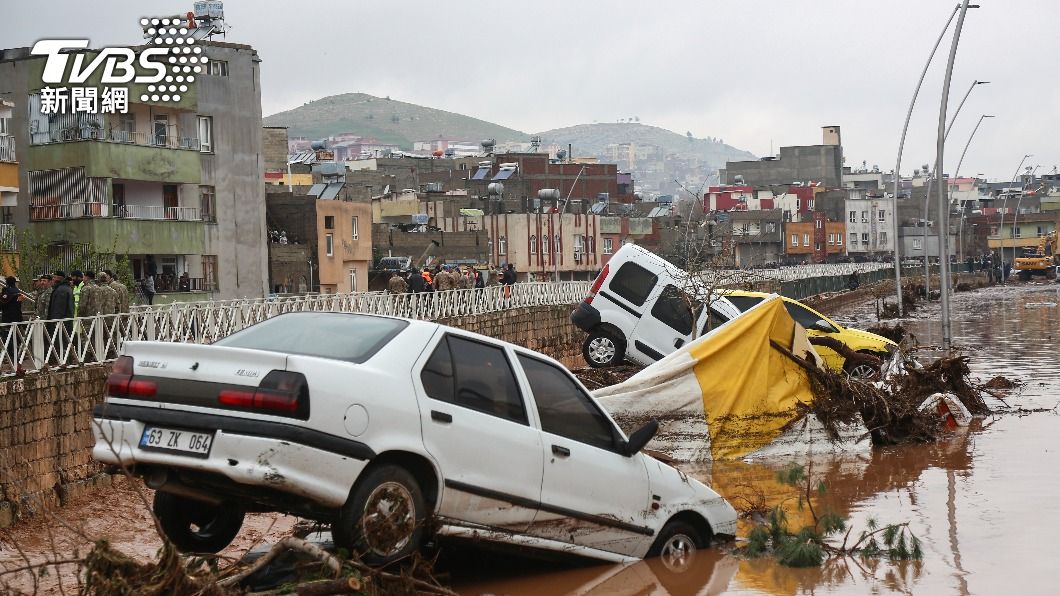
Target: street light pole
927, 197
956, 174
1001, 222
898, 163
1016, 215
944, 212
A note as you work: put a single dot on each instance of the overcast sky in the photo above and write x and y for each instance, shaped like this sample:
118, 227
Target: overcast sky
755, 73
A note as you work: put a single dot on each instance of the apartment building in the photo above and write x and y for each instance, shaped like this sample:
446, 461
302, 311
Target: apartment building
175, 184
869, 223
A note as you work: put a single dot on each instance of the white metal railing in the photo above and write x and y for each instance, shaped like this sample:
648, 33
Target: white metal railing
8, 238
142, 211
183, 213
96, 133
7, 148
38, 344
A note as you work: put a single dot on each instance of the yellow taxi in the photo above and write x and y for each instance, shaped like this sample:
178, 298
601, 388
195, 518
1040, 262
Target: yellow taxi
818, 325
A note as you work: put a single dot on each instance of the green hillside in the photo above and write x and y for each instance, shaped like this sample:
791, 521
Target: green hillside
386, 119
590, 139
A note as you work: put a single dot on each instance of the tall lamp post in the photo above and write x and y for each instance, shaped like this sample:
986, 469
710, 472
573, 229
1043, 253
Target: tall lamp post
1016, 215
898, 162
956, 174
1001, 222
927, 195
944, 211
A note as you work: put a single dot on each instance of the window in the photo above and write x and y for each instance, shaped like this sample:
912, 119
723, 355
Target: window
864, 237
1019, 231
771, 227
1039, 231
206, 134
355, 226
559, 245
864, 217
353, 280
533, 245
608, 247
590, 245
329, 222
803, 316
811, 203
805, 239
3, 126
339, 336
883, 238
217, 68
817, 246
916, 244
794, 239
473, 375
839, 239
565, 408
714, 320
853, 217
633, 283
853, 238
329, 244
831, 239
207, 203
502, 245
819, 224
545, 244
673, 309
743, 303
881, 215
579, 244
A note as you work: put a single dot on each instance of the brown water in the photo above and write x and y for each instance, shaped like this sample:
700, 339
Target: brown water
983, 502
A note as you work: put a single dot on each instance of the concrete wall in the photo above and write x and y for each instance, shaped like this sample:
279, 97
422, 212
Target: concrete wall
546, 329
818, 163
236, 170
274, 148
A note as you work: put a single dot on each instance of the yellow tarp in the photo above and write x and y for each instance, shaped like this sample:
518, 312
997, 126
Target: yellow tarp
750, 388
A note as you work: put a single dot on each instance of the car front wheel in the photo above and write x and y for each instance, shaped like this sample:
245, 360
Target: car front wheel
194, 526
676, 546
602, 349
383, 520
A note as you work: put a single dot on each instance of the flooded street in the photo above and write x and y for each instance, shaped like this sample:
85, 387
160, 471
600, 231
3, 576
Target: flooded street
983, 502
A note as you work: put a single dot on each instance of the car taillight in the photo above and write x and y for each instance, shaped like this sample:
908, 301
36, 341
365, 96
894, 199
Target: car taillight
596, 284
120, 382
279, 392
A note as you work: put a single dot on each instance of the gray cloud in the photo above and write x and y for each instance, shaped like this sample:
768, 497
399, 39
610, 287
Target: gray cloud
750, 72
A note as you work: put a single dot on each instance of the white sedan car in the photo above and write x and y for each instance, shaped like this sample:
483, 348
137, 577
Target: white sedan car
375, 424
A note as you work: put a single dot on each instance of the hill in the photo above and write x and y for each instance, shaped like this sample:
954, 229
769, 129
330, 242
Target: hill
591, 139
388, 120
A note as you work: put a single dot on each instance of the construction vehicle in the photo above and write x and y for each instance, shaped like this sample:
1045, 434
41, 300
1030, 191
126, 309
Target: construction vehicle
1041, 261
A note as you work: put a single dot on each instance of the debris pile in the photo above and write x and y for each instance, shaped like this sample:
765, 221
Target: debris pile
1000, 382
891, 409
895, 333
596, 378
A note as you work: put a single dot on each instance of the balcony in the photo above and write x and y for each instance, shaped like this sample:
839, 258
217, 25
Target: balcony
158, 212
74, 134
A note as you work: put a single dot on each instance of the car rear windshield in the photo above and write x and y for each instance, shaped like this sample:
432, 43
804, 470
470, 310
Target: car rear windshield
744, 302
347, 337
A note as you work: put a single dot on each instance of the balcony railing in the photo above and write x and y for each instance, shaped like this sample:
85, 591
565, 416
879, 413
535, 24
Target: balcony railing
7, 148
93, 133
157, 212
8, 239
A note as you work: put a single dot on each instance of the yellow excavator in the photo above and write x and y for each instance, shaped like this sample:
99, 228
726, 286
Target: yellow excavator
1041, 261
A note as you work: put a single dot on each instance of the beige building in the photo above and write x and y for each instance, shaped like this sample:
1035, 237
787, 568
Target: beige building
540, 243
344, 246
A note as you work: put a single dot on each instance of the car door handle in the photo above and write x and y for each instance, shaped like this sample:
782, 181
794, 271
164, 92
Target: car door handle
560, 451
441, 416
679, 342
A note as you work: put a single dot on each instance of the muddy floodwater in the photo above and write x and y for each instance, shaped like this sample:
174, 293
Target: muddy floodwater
985, 502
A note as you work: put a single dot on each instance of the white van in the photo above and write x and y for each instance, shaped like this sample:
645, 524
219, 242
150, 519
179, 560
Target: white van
638, 310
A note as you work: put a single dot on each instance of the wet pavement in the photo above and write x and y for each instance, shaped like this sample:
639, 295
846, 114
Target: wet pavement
983, 502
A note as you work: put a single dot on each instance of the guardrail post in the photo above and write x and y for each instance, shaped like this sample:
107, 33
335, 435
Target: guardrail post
38, 344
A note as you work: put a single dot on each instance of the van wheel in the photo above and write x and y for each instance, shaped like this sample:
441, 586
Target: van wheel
383, 519
602, 349
194, 526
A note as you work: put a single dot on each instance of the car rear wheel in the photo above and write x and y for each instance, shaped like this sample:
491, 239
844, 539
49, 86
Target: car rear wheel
194, 526
603, 349
383, 519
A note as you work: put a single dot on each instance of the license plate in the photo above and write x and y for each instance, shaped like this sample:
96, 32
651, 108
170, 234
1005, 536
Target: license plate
176, 440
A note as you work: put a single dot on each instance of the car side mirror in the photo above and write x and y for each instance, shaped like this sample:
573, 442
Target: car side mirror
640, 438
823, 325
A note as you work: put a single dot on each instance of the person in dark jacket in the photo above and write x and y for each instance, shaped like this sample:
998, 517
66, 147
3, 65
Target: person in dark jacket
61, 305
415, 281
11, 302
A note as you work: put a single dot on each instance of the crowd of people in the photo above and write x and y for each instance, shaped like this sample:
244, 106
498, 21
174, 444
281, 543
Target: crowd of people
446, 277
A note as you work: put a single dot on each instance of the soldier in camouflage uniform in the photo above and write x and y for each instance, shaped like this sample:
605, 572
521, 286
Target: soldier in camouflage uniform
91, 297
44, 298
109, 301
120, 289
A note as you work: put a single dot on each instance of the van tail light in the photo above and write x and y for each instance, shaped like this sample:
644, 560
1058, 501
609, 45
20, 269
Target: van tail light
280, 392
120, 382
597, 284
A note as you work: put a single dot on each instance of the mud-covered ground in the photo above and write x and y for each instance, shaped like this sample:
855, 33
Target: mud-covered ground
983, 501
